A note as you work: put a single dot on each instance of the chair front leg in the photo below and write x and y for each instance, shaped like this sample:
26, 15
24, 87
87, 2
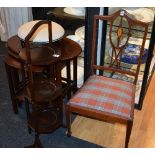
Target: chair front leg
128, 133
68, 120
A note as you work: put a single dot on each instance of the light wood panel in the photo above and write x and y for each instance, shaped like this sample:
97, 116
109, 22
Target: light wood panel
113, 135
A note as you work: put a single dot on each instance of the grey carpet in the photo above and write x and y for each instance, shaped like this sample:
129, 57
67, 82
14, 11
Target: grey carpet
13, 128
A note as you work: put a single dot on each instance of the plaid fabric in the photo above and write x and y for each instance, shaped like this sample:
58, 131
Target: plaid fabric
105, 95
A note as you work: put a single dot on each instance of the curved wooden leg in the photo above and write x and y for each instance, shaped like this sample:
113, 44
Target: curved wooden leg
128, 133
68, 120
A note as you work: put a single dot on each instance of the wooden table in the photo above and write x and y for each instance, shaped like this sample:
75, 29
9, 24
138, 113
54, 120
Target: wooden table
70, 51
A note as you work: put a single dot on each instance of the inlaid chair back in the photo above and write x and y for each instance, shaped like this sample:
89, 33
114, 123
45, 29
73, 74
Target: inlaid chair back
121, 29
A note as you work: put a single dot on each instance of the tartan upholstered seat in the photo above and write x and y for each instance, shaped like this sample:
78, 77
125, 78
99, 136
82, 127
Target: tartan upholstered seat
104, 94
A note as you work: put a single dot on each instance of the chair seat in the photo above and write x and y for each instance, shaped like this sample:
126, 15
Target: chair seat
103, 94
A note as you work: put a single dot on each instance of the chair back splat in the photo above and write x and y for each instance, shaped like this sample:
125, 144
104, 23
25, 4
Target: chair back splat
119, 38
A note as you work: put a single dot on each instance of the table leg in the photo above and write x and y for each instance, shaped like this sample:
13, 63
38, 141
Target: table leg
75, 74
15, 78
11, 86
68, 78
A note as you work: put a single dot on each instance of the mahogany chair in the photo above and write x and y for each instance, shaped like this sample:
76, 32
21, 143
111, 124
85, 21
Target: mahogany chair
43, 93
103, 97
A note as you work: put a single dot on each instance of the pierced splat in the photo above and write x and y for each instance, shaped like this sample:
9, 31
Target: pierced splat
120, 30
115, 58
117, 48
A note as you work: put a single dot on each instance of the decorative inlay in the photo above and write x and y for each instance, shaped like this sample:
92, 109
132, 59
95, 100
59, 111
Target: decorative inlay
119, 32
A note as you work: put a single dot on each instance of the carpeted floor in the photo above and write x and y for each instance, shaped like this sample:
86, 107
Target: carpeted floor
13, 128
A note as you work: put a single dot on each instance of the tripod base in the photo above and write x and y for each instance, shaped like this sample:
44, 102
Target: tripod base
36, 144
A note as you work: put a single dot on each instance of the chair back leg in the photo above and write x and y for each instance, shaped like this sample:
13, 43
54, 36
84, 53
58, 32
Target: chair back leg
128, 133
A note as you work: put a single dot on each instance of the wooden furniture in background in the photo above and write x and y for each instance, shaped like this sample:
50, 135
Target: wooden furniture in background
42, 92
105, 98
68, 21
69, 52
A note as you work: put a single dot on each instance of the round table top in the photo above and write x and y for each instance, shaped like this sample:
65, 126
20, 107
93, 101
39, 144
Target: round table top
69, 48
41, 34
